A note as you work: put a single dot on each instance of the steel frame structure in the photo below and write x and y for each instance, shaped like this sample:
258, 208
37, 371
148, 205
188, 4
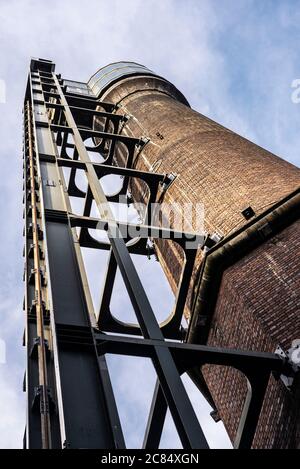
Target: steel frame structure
71, 402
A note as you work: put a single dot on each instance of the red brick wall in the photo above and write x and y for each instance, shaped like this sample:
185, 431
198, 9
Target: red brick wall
258, 306
258, 309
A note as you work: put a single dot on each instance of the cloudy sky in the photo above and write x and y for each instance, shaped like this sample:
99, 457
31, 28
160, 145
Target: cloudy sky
235, 61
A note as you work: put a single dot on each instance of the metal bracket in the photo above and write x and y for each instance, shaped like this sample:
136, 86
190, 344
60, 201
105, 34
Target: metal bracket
292, 357
34, 349
39, 405
167, 181
215, 416
211, 241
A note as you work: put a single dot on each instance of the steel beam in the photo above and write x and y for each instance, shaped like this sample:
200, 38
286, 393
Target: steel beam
71, 402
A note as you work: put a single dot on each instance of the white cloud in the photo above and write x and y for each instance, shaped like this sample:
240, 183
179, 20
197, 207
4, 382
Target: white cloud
12, 399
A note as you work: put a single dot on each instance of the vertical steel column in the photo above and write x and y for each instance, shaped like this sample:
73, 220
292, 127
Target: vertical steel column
81, 389
42, 361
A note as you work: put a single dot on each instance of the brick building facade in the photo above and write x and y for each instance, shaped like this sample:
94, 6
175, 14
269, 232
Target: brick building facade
258, 297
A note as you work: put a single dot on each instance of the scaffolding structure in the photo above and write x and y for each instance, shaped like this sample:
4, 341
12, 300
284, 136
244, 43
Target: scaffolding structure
70, 399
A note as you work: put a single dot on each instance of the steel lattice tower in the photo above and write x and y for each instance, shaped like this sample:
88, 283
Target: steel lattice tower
70, 400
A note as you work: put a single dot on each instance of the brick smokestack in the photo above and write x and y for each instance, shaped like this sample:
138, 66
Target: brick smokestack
253, 299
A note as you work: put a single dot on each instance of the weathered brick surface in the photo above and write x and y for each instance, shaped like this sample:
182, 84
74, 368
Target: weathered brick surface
258, 309
258, 305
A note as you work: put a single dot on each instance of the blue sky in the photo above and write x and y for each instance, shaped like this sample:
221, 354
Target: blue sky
234, 61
